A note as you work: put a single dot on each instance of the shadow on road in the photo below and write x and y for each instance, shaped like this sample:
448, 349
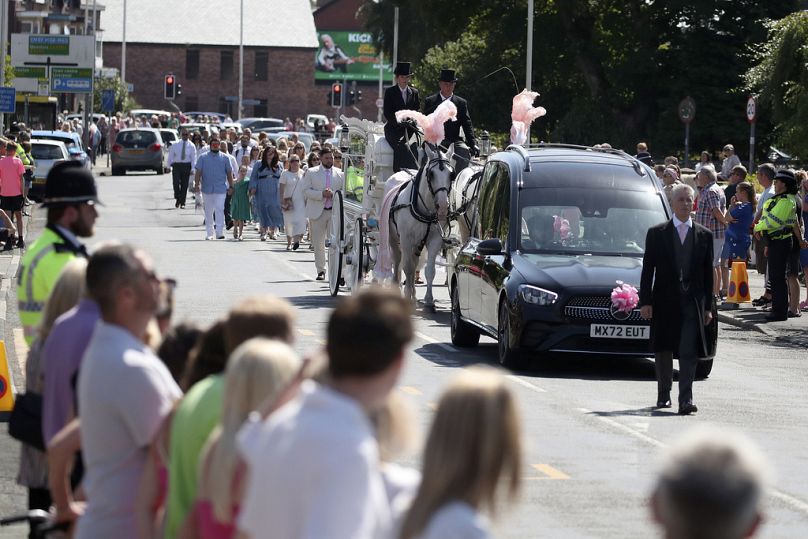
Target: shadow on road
312, 301
649, 411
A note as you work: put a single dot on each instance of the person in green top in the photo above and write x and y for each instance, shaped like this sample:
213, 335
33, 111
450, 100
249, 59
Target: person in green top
200, 410
776, 228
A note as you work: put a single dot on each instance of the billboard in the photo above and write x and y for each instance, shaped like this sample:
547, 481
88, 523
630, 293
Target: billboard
348, 55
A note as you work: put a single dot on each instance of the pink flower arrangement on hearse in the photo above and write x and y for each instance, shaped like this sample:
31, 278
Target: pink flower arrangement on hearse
625, 297
431, 125
522, 115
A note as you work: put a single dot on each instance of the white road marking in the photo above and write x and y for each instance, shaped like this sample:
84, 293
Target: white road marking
794, 503
525, 383
426, 338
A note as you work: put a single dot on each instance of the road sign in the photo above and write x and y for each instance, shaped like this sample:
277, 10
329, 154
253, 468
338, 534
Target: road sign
687, 110
30, 72
52, 50
380, 103
43, 88
71, 79
751, 109
108, 100
8, 99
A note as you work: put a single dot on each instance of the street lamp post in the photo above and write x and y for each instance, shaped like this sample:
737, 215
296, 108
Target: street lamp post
529, 55
123, 48
241, 64
3, 27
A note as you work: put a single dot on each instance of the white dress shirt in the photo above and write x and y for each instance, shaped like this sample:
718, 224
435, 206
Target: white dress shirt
175, 153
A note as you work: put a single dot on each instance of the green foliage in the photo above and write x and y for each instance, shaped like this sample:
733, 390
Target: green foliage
123, 102
608, 71
780, 75
9, 72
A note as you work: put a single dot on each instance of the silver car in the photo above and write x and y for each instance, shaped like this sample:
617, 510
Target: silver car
138, 149
45, 153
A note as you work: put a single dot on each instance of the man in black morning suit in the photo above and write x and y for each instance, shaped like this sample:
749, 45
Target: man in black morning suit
678, 261
447, 84
400, 96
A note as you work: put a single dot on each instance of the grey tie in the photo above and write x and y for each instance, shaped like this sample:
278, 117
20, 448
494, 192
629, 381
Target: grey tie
182, 155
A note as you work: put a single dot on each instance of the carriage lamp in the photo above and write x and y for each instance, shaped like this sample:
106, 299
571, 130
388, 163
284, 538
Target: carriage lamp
344, 139
485, 144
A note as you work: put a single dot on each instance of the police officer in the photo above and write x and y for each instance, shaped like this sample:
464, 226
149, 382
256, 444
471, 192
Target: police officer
400, 96
776, 229
70, 199
447, 84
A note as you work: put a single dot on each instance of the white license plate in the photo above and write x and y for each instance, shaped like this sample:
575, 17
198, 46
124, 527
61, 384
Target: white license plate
614, 331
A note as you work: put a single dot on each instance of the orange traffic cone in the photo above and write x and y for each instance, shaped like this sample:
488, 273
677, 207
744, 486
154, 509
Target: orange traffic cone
738, 284
6, 386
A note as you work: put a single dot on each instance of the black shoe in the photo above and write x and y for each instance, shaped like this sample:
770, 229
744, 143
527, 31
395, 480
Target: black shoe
21, 243
663, 402
230, 225
295, 245
687, 408
177, 204
219, 237
342, 281
794, 315
182, 206
774, 318
321, 276
761, 301
9, 245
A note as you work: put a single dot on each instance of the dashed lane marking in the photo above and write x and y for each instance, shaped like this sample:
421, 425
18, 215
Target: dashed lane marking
548, 472
409, 390
525, 383
794, 503
430, 340
306, 332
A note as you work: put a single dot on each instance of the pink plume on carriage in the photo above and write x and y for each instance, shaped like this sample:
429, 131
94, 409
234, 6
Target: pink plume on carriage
432, 125
522, 115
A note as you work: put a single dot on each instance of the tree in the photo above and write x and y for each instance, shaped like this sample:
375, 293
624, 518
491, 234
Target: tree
780, 75
612, 70
123, 102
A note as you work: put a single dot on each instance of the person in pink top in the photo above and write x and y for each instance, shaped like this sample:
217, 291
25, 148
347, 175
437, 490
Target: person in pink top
12, 173
257, 371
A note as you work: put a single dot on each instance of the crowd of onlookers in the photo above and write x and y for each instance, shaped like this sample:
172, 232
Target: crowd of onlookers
764, 215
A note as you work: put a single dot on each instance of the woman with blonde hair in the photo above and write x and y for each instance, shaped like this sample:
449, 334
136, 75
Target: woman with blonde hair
474, 448
257, 371
66, 293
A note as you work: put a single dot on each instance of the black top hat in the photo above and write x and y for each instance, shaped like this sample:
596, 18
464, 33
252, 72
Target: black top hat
403, 68
69, 183
447, 75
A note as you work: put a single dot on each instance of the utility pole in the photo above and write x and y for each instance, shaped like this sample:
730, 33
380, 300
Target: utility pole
241, 65
3, 30
123, 49
529, 67
395, 36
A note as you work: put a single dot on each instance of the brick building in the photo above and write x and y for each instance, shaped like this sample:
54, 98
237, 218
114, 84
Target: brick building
199, 43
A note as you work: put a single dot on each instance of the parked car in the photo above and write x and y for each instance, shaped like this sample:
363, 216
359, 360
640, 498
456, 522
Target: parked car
138, 149
80, 117
169, 136
258, 124
231, 125
71, 140
305, 138
198, 127
555, 227
45, 153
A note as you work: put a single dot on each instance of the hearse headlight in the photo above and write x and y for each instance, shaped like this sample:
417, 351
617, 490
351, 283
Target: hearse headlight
536, 295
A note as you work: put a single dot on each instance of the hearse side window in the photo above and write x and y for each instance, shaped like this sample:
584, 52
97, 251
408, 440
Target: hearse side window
495, 178
503, 203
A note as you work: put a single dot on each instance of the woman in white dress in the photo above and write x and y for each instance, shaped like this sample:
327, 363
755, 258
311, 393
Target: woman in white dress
478, 410
292, 204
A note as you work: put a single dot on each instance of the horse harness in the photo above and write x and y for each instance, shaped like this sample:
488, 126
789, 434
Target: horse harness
468, 199
415, 196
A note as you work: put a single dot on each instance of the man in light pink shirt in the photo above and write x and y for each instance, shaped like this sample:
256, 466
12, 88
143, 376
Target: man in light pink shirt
12, 173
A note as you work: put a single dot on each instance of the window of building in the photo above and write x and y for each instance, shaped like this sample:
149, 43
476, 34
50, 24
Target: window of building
191, 102
261, 110
261, 65
192, 64
226, 66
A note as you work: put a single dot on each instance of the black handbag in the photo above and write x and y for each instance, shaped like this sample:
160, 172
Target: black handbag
25, 422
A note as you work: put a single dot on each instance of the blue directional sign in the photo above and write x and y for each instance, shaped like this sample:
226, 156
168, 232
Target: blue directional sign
108, 100
71, 79
8, 99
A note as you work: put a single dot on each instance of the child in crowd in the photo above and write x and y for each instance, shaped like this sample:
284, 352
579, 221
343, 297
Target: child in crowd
477, 411
738, 238
240, 203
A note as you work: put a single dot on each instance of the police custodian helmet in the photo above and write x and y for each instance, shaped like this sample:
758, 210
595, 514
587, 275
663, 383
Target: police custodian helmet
68, 183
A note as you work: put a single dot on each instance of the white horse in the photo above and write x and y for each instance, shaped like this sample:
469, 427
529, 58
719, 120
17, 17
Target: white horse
419, 218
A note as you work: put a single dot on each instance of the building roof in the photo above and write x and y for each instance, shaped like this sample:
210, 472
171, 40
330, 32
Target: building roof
267, 23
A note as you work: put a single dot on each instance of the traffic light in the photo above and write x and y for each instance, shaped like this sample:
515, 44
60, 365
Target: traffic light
179, 89
170, 87
351, 96
336, 95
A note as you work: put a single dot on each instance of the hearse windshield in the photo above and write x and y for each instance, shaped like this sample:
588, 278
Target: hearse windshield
578, 221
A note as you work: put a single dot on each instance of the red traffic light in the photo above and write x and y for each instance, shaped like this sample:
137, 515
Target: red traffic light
337, 87
169, 79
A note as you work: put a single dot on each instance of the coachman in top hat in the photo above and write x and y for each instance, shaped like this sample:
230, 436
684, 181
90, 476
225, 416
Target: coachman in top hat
70, 199
447, 83
400, 96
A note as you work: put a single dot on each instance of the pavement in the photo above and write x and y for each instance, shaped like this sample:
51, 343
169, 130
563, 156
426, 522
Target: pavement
752, 318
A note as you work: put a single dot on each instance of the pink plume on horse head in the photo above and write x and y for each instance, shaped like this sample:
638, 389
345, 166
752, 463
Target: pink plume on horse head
522, 115
432, 125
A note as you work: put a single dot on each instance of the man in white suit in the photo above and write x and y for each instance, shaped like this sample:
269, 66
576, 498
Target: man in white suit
319, 184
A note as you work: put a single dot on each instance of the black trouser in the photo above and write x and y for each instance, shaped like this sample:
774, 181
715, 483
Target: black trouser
181, 173
228, 221
689, 339
779, 252
38, 498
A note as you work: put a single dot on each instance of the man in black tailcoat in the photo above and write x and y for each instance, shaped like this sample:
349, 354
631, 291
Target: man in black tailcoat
678, 261
447, 84
400, 96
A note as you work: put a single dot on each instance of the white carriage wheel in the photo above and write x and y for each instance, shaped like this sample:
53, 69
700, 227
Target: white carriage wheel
358, 256
337, 235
